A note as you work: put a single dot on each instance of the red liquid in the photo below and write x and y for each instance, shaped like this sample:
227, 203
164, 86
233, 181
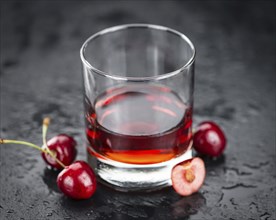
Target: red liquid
138, 124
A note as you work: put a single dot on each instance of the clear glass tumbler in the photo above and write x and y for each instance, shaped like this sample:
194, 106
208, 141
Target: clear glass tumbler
138, 98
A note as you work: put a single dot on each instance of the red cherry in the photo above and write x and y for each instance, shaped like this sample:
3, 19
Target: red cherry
188, 176
77, 181
209, 139
64, 148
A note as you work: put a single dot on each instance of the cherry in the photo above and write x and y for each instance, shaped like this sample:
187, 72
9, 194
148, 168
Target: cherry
62, 147
77, 181
188, 176
59, 151
209, 139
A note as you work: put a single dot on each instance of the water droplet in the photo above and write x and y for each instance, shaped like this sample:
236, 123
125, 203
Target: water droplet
10, 211
233, 202
212, 173
253, 207
260, 165
220, 198
49, 214
237, 171
20, 176
265, 216
238, 185
46, 202
88, 214
253, 109
1, 207
243, 119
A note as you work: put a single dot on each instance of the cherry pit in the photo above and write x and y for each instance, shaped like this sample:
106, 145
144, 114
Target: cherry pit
77, 179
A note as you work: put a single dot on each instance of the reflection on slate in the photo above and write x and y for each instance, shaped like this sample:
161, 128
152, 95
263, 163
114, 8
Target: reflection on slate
234, 86
49, 178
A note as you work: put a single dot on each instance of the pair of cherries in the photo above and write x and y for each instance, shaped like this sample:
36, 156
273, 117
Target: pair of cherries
77, 180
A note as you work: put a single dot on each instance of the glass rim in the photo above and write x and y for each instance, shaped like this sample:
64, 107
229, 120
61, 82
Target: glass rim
138, 78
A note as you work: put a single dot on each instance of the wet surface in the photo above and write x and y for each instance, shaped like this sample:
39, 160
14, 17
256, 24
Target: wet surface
234, 86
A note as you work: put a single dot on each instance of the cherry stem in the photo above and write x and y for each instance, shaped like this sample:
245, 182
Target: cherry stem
46, 122
45, 150
7, 141
45, 125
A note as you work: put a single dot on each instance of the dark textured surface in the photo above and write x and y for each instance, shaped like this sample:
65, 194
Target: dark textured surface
235, 86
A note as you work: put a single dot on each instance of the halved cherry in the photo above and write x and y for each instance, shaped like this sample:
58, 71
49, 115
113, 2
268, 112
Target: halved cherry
188, 176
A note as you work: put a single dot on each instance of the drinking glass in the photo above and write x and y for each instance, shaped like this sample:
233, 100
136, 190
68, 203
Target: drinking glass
138, 98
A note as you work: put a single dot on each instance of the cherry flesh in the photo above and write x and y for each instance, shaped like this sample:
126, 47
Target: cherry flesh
188, 176
77, 181
64, 148
209, 139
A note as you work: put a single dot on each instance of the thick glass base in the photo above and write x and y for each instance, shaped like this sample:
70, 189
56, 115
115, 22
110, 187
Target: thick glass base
129, 177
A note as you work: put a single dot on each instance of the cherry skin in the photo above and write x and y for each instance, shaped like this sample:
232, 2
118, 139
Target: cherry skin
188, 176
77, 181
209, 139
64, 148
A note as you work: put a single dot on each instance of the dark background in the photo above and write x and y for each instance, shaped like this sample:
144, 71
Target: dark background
234, 86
